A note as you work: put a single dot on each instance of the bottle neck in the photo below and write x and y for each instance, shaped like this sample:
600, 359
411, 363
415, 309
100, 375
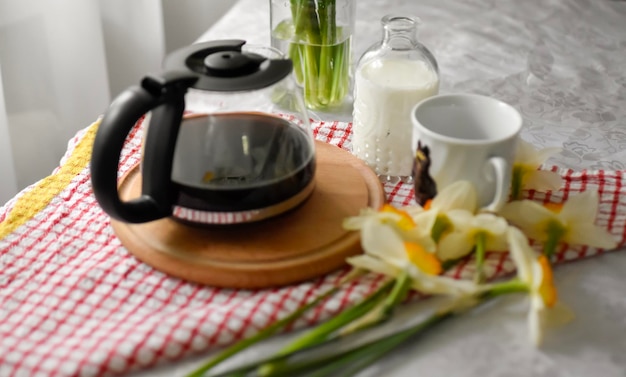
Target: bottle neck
400, 32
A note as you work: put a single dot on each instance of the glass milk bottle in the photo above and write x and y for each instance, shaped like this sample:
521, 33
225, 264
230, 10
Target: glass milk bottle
391, 77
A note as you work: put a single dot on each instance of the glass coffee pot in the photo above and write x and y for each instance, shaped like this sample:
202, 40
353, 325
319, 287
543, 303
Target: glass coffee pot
248, 156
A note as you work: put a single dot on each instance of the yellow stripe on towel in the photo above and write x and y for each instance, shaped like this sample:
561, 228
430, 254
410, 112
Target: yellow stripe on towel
37, 198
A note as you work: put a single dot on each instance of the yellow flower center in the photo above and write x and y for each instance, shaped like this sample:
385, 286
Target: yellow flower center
554, 207
422, 259
405, 222
547, 289
428, 204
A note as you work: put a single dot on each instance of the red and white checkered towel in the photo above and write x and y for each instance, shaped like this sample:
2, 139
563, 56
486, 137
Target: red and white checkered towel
75, 302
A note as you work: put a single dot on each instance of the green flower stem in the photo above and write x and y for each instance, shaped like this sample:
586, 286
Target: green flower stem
368, 355
351, 361
384, 310
322, 332
450, 263
327, 37
320, 65
398, 294
298, 66
511, 286
245, 370
248, 368
311, 73
273, 328
296, 14
340, 79
440, 227
517, 179
375, 350
481, 240
361, 356
555, 232
323, 84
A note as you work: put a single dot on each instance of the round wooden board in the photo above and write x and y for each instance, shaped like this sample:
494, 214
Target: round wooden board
304, 243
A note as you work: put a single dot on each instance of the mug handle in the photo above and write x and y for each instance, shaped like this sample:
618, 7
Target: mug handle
503, 183
165, 96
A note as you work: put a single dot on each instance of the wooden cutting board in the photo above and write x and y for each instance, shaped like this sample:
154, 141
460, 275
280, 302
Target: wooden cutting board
307, 242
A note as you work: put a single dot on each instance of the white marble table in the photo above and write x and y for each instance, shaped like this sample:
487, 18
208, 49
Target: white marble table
561, 62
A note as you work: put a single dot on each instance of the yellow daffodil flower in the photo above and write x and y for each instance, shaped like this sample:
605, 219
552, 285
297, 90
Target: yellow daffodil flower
536, 273
526, 173
387, 253
571, 223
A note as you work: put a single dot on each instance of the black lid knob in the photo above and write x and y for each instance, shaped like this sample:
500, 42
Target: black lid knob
223, 66
232, 63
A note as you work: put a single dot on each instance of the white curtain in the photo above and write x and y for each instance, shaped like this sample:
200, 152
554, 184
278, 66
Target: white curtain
62, 61
54, 81
134, 40
8, 180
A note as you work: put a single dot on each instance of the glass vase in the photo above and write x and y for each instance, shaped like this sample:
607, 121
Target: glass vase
317, 36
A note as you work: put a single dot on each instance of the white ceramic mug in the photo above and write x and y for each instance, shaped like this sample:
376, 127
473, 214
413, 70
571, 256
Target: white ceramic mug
470, 137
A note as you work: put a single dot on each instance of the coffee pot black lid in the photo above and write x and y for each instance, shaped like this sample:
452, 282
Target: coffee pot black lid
222, 66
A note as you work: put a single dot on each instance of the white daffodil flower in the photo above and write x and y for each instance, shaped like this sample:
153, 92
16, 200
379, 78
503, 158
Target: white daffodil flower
571, 223
493, 228
484, 228
536, 273
526, 173
356, 222
455, 240
458, 195
387, 253
399, 219
447, 218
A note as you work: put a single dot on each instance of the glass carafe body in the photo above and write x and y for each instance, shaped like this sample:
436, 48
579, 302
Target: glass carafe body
391, 77
247, 153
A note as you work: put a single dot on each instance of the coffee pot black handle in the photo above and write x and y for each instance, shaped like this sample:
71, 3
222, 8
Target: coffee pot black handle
165, 97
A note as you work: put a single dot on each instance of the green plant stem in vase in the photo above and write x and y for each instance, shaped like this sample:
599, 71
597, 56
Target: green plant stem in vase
318, 46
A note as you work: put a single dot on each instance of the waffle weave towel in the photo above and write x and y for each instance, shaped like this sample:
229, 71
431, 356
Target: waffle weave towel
75, 302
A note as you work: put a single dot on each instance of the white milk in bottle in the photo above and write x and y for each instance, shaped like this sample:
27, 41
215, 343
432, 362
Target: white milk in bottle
391, 78
385, 93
